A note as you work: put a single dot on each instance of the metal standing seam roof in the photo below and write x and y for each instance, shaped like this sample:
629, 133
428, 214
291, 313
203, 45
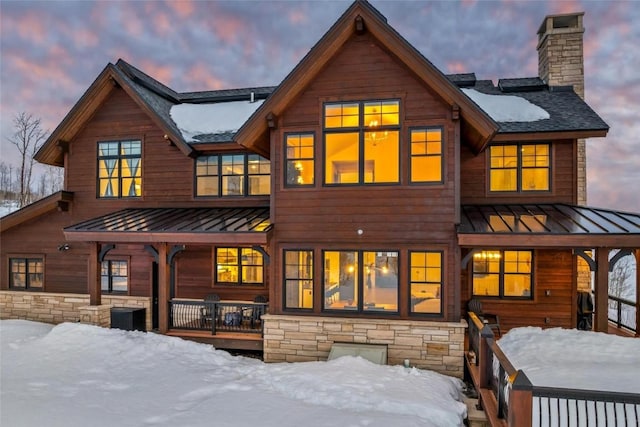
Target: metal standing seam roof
547, 219
178, 221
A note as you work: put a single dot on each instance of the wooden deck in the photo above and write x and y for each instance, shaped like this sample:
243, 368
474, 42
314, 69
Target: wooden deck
222, 340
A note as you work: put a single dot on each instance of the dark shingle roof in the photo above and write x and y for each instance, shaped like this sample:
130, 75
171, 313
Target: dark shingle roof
568, 112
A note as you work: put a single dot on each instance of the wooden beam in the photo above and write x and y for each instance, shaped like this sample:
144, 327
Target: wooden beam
548, 241
93, 275
520, 401
163, 288
601, 303
233, 238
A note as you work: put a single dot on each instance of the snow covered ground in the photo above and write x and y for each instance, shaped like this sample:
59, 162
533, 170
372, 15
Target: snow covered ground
575, 359
79, 375
7, 206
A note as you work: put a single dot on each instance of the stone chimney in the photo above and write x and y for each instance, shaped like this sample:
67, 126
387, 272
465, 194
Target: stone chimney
561, 63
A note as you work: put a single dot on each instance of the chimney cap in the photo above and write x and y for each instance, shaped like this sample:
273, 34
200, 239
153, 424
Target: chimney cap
563, 22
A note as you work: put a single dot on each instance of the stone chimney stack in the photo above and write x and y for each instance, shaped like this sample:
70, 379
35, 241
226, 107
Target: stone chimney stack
561, 63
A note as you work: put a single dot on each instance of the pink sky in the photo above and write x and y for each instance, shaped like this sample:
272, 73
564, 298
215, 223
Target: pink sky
51, 51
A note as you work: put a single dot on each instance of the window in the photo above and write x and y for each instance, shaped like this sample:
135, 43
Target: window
26, 273
362, 142
425, 273
114, 276
222, 175
119, 169
300, 163
362, 281
298, 278
521, 167
426, 155
239, 266
503, 274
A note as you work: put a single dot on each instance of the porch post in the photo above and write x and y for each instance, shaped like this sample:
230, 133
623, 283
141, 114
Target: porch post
601, 321
637, 253
163, 289
93, 275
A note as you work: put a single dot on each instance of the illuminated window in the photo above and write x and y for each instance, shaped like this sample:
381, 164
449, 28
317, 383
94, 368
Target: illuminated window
362, 281
362, 142
222, 175
426, 155
522, 167
26, 273
298, 279
425, 273
119, 169
503, 274
114, 276
239, 266
300, 163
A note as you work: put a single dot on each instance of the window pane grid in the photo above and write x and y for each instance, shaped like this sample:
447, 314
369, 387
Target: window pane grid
298, 278
426, 282
522, 167
114, 276
232, 175
502, 274
26, 273
300, 168
239, 266
426, 155
119, 169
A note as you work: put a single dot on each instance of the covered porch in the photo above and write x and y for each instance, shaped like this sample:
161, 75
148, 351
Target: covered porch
190, 235
574, 249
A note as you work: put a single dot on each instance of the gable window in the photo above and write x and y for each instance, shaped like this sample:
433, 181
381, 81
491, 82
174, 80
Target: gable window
222, 175
504, 274
362, 142
426, 155
239, 266
26, 273
114, 277
119, 169
298, 278
520, 167
299, 160
425, 273
362, 281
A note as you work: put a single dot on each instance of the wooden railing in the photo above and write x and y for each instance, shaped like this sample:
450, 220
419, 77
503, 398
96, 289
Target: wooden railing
510, 399
622, 312
217, 316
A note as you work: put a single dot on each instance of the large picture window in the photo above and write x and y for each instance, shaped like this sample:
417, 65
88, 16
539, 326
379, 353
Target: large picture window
362, 142
503, 274
114, 276
223, 175
298, 278
26, 273
299, 160
425, 273
426, 155
520, 167
119, 169
362, 281
239, 266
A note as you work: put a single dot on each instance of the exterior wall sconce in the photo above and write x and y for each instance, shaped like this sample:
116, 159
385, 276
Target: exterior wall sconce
64, 247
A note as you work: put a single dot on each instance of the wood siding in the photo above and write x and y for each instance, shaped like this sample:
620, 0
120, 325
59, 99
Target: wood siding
167, 181
391, 217
474, 178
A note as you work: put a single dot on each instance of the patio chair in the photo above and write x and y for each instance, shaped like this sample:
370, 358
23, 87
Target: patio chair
207, 315
489, 319
258, 310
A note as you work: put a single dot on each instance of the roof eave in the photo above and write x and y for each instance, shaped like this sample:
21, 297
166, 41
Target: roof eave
59, 200
232, 238
564, 134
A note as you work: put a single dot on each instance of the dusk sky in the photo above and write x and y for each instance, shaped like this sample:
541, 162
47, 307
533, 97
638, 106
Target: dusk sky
51, 51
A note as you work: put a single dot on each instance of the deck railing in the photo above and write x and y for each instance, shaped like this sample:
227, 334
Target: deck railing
622, 312
217, 316
510, 399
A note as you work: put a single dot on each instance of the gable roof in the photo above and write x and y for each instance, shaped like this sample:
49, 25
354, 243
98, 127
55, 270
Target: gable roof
59, 200
361, 16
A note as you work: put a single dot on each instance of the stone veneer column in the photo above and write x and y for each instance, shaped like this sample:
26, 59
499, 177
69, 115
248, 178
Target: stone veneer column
438, 346
561, 63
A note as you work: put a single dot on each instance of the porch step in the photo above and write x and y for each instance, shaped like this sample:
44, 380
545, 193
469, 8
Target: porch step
475, 417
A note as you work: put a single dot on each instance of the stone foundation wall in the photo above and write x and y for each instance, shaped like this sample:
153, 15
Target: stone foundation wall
58, 308
438, 346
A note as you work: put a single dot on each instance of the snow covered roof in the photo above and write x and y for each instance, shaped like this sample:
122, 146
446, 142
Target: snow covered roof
194, 120
507, 108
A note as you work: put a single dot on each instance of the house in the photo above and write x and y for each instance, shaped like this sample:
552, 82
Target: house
368, 197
